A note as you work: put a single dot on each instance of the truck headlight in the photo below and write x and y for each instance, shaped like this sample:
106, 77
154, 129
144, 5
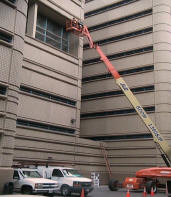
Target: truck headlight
76, 184
38, 185
56, 185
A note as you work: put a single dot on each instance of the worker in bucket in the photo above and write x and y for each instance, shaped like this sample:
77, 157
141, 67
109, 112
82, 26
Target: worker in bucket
74, 22
80, 25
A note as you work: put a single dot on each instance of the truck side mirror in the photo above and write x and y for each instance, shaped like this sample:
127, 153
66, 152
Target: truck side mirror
16, 177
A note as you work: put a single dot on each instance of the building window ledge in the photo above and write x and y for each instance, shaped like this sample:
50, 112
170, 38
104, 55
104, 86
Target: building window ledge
50, 49
2, 114
3, 97
6, 44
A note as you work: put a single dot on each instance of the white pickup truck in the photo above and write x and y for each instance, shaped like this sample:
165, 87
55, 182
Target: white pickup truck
29, 181
69, 179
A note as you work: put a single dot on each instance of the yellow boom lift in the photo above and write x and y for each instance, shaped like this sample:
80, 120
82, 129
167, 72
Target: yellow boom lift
81, 30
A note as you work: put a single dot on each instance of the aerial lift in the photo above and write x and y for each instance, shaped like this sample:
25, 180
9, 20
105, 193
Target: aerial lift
143, 177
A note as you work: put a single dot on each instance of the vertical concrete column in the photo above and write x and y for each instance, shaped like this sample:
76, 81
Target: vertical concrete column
13, 23
80, 60
162, 63
79, 84
32, 20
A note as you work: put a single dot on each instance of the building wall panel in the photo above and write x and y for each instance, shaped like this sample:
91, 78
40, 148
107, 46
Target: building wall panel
113, 125
67, 8
120, 64
5, 56
93, 5
48, 83
122, 28
51, 57
109, 103
61, 148
138, 80
118, 47
45, 111
119, 12
7, 16
123, 145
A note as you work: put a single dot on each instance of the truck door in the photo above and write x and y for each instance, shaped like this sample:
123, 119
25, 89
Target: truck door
16, 180
58, 176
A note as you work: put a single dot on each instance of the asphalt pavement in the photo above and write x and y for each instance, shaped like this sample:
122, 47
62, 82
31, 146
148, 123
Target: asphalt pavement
103, 191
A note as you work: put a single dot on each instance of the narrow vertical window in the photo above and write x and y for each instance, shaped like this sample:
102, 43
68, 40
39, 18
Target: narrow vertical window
3, 90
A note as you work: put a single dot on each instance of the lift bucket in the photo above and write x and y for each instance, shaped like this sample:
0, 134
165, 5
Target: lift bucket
74, 27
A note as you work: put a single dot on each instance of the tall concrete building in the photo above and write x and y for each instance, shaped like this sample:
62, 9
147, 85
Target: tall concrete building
40, 87
135, 36
41, 83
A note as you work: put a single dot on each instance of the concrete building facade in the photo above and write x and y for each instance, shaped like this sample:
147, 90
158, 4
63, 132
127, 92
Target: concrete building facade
40, 87
12, 31
135, 36
41, 84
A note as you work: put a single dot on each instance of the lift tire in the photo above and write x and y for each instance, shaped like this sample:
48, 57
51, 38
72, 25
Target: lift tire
150, 185
8, 188
113, 185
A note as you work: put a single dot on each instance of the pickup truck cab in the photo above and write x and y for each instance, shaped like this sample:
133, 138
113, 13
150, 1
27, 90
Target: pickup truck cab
69, 179
29, 181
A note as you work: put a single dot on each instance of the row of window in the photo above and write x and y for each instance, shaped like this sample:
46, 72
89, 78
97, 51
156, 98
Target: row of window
121, 55
117, 92
47, 95
52, 33
115, 112
3, 90
5, 37
109, 7
122, 37
121, 20
121, 137
45, 126
123, 72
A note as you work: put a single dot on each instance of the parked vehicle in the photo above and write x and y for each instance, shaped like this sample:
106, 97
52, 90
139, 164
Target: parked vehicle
29, 181
149, 178
69, 179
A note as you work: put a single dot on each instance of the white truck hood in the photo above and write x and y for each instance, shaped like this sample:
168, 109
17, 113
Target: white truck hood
40, 180
80, 179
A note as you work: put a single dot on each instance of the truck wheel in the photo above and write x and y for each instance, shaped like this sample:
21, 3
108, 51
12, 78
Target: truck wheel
65, 190
150, 185
26, 190
113, 185
50, 195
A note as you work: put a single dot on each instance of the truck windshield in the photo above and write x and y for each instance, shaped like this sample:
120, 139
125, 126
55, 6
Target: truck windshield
32, 174
71, 173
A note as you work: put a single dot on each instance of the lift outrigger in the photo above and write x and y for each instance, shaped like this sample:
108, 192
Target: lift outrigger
149, 174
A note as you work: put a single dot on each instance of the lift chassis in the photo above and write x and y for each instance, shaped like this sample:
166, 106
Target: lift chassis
82, 30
